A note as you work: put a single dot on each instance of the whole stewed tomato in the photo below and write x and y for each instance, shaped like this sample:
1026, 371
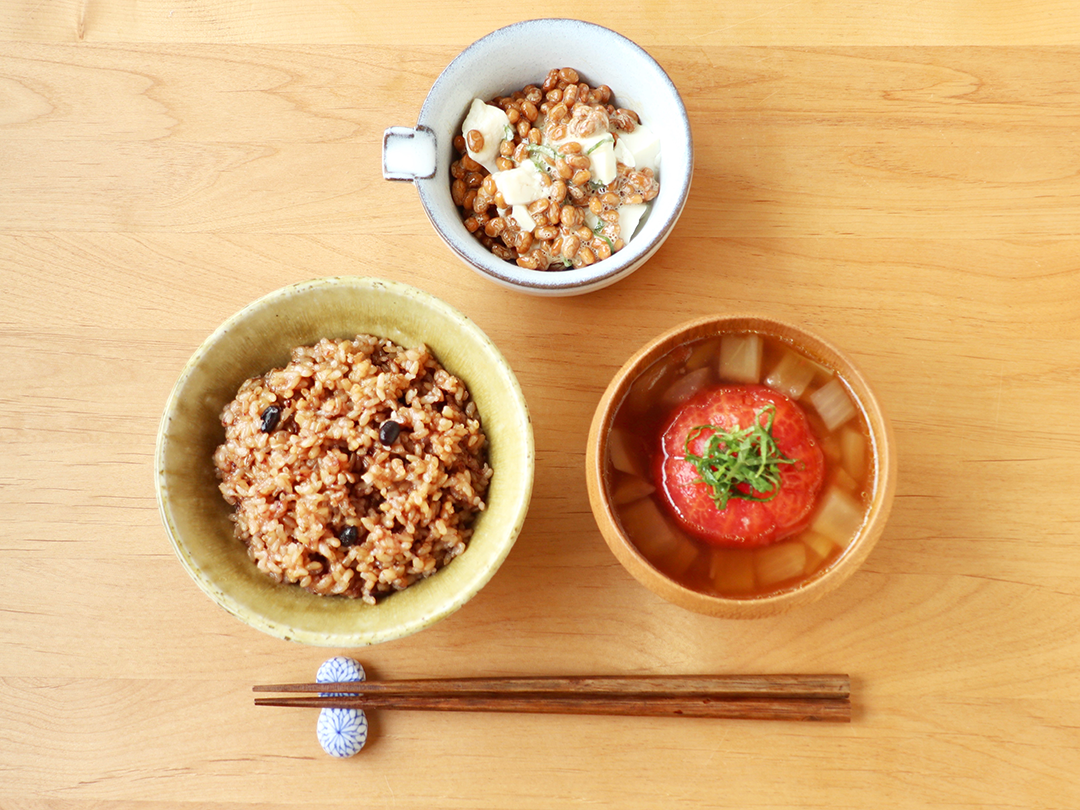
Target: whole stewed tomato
735, 417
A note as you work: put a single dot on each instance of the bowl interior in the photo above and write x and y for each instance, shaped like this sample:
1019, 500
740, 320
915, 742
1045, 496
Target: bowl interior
259, 338
883, 471
521, 54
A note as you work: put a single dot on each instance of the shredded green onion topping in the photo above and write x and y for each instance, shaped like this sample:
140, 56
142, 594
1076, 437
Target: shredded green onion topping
533, 149
599, 231
598, 144
543, 148
742, 456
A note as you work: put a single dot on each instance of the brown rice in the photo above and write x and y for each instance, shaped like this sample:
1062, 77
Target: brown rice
320, 500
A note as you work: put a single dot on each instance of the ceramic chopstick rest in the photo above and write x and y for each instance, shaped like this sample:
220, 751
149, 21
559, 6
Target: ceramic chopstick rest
341, 732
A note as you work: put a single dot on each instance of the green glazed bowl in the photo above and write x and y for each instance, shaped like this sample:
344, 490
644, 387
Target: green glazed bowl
260, 337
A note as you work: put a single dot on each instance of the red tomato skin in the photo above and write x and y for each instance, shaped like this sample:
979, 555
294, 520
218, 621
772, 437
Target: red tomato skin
743, 522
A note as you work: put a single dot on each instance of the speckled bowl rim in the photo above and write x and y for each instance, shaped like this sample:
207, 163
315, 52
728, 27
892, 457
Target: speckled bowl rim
882, 447
440, 608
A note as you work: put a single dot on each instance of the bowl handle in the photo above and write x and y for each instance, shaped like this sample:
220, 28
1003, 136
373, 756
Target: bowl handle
408, 154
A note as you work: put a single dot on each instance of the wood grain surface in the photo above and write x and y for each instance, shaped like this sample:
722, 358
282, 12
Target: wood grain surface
905, 181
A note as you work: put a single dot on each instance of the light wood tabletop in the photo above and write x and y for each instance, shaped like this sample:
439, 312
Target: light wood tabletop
902, 178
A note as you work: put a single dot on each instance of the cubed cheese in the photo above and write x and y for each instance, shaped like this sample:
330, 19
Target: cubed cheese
629, 217
623, 154
603, 162
492, 123
644, 145
600, 149
523, 218
520, 186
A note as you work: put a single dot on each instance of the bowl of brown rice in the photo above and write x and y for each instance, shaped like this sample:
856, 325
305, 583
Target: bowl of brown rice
344, 462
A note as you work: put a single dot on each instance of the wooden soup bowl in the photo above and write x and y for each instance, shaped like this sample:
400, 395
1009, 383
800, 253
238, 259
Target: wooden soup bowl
881, 485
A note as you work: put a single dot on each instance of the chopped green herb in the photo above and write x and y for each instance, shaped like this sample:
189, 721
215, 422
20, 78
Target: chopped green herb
543, 149
509, 133
598, 144
739, 460
598, 231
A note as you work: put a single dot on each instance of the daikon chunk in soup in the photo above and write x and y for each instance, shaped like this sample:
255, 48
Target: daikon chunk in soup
740, 466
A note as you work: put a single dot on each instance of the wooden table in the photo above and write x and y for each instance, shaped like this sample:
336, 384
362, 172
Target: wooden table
905, 182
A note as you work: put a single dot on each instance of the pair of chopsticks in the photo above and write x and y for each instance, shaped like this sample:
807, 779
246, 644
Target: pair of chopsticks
746, 697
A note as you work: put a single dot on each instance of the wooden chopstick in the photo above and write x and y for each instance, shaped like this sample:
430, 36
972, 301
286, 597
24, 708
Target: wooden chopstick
753, 697
717, 686
825, 709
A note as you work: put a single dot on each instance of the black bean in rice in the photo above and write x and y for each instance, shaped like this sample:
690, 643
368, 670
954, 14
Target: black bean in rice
299, 488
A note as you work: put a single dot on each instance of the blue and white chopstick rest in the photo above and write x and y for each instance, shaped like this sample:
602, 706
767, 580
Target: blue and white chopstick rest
341, 732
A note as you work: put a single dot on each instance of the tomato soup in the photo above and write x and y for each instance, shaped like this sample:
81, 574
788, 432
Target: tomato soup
739, 466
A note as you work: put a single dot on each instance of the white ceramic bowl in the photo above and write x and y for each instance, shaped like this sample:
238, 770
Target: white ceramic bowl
260, 337
507, 60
